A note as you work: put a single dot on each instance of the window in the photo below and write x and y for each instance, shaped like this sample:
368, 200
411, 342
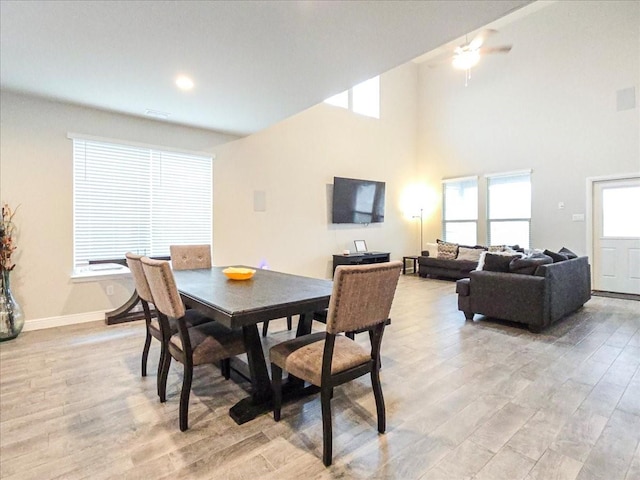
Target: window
509, 209
364, 98
616, 221
138, 199
460, 210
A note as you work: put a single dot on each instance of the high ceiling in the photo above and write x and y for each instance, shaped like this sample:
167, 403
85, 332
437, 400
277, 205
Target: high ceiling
253, 63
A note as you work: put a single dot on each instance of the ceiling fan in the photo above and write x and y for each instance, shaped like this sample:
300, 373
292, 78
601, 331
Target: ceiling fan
468, 55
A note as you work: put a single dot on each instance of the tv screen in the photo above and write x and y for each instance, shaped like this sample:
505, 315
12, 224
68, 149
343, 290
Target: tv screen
357, 201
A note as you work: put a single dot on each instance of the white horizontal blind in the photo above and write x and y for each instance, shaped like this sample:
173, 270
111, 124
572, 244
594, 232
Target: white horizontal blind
460, 210
509, 209
130, 198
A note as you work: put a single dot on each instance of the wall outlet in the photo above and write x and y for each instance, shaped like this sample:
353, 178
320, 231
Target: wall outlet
109, 289
560, 205
577, 217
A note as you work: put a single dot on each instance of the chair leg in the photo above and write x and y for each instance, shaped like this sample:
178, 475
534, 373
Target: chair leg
325, 400
377, 393
276, 386
145, 353
289, 322
225, 368
163, 373
265, 328
184, 398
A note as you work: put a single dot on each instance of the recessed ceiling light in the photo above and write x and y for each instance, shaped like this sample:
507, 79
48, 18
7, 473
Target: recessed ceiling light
184, 83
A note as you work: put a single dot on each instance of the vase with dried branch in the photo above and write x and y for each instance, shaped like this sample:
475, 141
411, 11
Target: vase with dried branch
11, 316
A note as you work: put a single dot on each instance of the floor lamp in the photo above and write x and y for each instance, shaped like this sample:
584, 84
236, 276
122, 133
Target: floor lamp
420, 217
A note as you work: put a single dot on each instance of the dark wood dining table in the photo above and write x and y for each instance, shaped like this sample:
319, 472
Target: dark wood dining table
242, 304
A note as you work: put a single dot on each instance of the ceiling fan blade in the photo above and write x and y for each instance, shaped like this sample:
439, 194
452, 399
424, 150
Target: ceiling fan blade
502, 49
480, 38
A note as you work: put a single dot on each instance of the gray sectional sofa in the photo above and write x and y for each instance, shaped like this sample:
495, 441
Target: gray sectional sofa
553, 291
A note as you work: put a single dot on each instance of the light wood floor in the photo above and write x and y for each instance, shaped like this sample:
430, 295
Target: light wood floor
465, 400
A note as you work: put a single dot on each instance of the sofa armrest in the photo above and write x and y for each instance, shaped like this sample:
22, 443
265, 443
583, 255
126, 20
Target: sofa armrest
509, 296
568, 285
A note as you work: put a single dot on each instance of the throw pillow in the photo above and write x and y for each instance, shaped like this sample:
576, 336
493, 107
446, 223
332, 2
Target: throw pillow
447, 251
528, 265
470, 254
557, 257
494, 262
567, 252
497, 248
432, 248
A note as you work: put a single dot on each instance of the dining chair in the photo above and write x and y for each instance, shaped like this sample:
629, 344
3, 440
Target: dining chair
190, 257
152, 323
265, 325
198, 345
361, 300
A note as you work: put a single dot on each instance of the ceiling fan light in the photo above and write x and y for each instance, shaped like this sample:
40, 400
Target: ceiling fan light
466, 60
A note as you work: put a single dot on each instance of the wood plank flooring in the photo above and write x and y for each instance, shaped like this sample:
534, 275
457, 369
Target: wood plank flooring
465, 400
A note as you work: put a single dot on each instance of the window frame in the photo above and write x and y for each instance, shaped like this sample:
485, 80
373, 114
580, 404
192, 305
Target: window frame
490, 220
461, 181
350, 96
157, 161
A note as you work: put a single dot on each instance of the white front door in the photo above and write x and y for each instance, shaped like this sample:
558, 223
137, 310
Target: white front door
616, 235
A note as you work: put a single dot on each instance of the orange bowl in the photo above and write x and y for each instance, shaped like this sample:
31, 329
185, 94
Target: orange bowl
238, 273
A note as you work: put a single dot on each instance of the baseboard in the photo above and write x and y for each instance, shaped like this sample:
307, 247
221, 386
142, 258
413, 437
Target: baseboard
50, 322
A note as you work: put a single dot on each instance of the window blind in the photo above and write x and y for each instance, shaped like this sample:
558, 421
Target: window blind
509, 209
138, 199
460, 210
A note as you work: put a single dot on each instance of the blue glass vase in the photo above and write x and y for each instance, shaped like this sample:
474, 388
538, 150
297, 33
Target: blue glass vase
11, 316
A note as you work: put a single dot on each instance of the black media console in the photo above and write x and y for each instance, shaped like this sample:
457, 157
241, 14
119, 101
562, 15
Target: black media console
360, 258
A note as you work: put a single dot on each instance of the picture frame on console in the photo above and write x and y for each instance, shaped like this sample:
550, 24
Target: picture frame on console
361, 246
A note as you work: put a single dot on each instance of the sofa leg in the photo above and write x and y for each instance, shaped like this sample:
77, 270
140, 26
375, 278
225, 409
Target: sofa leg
468, 315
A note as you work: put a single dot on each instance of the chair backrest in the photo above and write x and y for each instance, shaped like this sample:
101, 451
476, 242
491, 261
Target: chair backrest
190, 257
362, 295
139, 278
163, 287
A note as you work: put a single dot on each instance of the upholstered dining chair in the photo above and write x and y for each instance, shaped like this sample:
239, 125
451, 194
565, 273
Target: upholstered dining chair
153, 329
190, 257
197, 345
361, 299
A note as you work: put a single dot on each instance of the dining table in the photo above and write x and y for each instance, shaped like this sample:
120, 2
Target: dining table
243, 304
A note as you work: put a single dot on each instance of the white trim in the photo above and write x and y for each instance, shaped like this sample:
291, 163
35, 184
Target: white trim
590, 181
92, 138
62, 320
99, 271
459, 179
513, 173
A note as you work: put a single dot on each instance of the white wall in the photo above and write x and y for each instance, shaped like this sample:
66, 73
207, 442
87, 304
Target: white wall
36, 174
294, 161
548, 105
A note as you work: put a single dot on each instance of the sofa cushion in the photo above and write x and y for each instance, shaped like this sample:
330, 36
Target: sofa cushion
494, 262
528, 265
432, 250
447, 264
567, 252
447, 250
557, 257
471, 254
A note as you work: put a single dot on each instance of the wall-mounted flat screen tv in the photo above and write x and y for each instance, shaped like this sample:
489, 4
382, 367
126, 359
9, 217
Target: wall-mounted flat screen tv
357, 201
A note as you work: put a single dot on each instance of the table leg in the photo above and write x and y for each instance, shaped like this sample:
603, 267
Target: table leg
304, 324
260, 400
